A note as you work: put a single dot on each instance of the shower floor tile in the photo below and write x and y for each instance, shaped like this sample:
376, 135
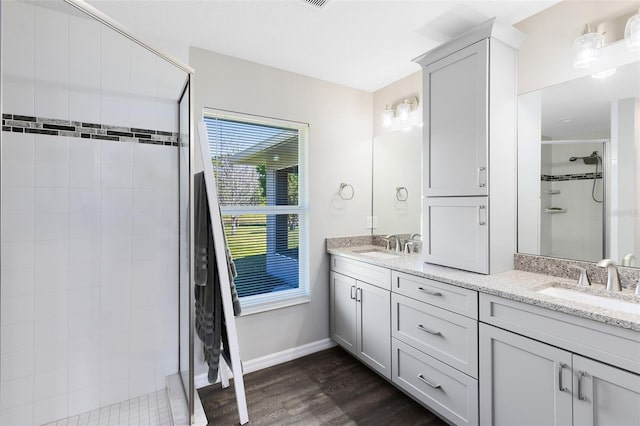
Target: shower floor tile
147, 410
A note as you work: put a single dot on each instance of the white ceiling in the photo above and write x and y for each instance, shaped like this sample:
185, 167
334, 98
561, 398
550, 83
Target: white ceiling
365, 44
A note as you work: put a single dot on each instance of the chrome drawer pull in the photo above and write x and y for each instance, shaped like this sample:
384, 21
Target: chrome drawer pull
421, 377
581, 397
561, 366
353, 289
481, 184
432, 293
423, 328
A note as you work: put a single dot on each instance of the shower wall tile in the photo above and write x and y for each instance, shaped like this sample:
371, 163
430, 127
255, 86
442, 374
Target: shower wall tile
83, 400
84, 70
18, 173
16, 282
17, 227
48, 306
51, 252
84, 225
50, 409
18, 200
82, 152
116, 152
16, 310
22, 414
116, 176
51, 148
52, 331
51, 64
49, 358
51, 174
85, 327
51, 226
16, 337
16, 365
49, 278
84, 250
18, 146
18, 254
18, 67
84, 200
83, 303
114, 78
16, 392
51, 200
84, 175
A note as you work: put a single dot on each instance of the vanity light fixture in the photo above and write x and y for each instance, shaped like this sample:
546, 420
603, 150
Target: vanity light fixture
403, 111
387, 117
632, 33
586, 47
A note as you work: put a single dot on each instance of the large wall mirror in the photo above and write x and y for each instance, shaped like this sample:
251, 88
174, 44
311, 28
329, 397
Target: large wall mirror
578, 169
397, 182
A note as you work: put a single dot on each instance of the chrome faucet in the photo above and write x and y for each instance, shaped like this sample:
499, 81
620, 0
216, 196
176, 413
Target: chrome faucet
583, 278
397, 244
627, 259
414, 236
613, 280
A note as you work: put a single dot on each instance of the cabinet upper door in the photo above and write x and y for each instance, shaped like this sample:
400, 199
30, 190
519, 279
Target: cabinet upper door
343, 310
456, 232
522, 381
374, 327
456, 123
604, 395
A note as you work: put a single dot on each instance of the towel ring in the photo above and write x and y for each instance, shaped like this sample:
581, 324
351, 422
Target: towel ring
346, 191
402, 193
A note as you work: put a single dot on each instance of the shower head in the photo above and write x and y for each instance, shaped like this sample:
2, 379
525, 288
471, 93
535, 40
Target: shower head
591, 159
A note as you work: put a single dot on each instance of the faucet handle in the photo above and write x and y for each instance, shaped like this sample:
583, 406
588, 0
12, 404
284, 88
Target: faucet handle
583, 278
407, 246
637, 292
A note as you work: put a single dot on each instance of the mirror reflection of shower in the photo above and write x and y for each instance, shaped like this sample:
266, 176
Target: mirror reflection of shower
594, 158
573, 188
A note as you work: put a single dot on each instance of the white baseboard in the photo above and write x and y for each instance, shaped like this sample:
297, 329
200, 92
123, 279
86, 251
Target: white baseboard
274, 359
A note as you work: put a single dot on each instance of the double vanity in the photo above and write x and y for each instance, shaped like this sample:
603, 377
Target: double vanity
513, 348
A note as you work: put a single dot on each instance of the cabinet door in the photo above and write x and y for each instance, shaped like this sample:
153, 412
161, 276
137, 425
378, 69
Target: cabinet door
522, 381
374, 327
343, 311
604, 395
456, 232
456, 123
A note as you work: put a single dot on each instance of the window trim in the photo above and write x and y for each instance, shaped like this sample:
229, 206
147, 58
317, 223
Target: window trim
284, 298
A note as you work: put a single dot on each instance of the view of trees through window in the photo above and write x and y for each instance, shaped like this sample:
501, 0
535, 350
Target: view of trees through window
256, 170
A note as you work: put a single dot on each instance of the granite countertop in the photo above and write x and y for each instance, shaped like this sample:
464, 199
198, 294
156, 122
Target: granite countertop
517, 285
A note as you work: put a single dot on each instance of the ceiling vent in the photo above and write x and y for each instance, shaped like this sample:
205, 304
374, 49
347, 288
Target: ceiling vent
317, 3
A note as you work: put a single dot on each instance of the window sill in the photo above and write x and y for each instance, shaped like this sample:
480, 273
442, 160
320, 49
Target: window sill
271, 305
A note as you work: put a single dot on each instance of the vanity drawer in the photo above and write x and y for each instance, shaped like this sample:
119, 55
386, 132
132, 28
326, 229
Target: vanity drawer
449, 337
443, 389
446, 296
362, 271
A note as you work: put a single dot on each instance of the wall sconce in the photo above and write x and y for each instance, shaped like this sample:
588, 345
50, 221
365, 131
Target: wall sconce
402, 114
586, 47
632, 33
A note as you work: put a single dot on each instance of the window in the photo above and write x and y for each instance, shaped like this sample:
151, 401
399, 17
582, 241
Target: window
260, 170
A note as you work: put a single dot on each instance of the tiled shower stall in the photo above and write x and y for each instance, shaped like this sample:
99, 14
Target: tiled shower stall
90, 227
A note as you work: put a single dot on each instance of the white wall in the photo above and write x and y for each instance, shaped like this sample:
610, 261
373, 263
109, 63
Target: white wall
339, 151
89, 226
545, 58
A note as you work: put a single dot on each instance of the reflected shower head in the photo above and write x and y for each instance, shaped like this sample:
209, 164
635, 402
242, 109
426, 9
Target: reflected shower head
591, 159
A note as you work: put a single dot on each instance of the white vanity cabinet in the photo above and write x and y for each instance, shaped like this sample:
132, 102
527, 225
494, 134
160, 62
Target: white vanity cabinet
360, 311
469, 149
435, 345
527, 382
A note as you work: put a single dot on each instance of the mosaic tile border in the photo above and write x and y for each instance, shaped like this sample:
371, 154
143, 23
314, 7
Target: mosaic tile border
575, 176
77, 129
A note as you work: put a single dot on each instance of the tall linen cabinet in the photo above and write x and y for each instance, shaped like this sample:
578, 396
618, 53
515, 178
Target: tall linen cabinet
469, 151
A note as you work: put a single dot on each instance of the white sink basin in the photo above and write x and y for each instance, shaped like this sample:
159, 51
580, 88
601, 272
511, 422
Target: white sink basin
378, 254
590, 299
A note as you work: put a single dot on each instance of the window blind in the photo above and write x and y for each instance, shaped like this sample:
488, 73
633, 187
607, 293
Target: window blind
258, 175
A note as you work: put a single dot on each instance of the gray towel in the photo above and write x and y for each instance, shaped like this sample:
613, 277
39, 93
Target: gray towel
210, 324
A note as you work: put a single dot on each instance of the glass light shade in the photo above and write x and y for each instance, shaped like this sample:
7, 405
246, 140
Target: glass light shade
403, 111
632, 33
387, 117
585, 49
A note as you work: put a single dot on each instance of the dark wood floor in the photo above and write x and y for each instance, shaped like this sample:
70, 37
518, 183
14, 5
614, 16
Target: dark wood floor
326, 388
